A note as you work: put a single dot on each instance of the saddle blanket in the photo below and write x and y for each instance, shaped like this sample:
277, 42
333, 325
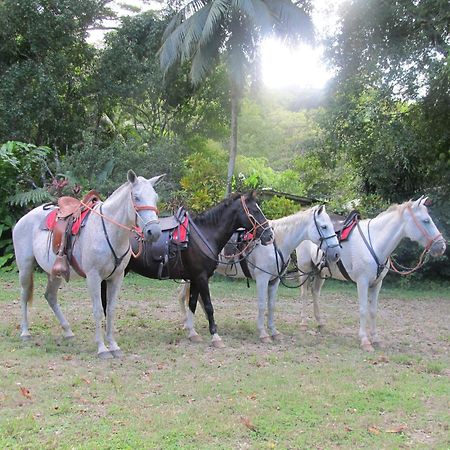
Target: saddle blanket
51, 220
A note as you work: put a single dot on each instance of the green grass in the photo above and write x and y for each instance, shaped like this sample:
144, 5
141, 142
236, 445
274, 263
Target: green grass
313, 390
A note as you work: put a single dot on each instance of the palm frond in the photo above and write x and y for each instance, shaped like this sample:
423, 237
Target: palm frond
204, 59
217, 12
32, 197
292, 21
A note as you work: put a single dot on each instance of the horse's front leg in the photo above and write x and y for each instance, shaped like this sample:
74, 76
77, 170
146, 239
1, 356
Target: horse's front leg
261, 289
190, 295
374, 291
202, 284
316, 287
363, 287
273, 289
112, 289
93, 281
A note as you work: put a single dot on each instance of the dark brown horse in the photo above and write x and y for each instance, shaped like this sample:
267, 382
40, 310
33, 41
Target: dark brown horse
208, 234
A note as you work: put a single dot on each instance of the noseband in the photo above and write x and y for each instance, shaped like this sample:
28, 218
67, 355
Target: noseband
255, 223
323, 238
139, 208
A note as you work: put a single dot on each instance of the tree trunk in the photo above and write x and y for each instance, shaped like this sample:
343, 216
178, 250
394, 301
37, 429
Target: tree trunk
233, 139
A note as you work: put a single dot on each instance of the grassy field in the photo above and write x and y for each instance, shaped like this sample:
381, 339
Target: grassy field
312, 390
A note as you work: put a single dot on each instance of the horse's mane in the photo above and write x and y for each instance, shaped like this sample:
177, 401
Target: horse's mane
214, 214
286, 223
395, 208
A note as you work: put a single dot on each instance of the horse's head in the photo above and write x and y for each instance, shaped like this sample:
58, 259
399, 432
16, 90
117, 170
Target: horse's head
144, 200
419, 227
321, 232
252, 218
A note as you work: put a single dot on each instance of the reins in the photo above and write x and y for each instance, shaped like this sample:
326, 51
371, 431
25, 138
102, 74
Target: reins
134, 229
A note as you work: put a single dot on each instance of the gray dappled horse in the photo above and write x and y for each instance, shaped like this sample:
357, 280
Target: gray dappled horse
102, 250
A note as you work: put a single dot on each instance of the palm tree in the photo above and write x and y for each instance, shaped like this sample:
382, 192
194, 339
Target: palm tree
204, 31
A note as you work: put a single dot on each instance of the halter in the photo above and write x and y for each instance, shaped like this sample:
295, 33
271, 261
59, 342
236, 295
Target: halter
255, 223
430, 241
323, 238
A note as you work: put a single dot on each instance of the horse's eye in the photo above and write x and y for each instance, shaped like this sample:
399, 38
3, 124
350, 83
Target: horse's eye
136, 198
426, 220
324, 227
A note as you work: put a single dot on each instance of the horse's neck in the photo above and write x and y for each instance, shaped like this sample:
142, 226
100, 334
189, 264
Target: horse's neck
117, 207
386, 232
289, 232
219, 232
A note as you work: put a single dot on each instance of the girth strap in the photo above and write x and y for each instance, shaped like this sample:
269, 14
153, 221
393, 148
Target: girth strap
380, 267
117, 260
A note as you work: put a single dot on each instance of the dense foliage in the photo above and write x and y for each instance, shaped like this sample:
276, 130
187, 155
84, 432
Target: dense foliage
72, 115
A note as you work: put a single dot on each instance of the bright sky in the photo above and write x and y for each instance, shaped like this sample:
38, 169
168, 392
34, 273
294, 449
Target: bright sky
300, 67
282, 67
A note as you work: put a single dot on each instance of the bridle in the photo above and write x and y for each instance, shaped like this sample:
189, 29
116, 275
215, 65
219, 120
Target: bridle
323, 238
430, 241
255, 223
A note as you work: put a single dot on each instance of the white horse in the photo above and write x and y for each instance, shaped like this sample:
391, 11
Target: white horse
102, 250
267, 263
365, 259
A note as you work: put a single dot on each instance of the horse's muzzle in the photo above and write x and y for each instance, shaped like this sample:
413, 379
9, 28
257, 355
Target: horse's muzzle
438, 248
333, 255
152, 232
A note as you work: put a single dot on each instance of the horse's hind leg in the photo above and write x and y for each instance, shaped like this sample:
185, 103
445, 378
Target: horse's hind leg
190, 295
51, 294
26, 295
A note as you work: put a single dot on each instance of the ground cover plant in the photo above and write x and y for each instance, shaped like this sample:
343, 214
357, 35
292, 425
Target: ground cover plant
312, 390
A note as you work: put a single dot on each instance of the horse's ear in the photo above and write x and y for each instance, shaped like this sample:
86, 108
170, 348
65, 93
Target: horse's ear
131, 176
416, 203
157, 179
320, 209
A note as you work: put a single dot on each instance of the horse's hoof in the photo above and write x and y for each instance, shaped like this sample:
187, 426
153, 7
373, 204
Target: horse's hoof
117, 353
378, 344
303, 327
69, 337
265, 339
105, 355
367, 347
277, 337
26, 338
195, 338
218, 343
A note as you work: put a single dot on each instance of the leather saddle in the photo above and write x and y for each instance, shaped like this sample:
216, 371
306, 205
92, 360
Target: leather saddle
343, 226
65, 222
174, 238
